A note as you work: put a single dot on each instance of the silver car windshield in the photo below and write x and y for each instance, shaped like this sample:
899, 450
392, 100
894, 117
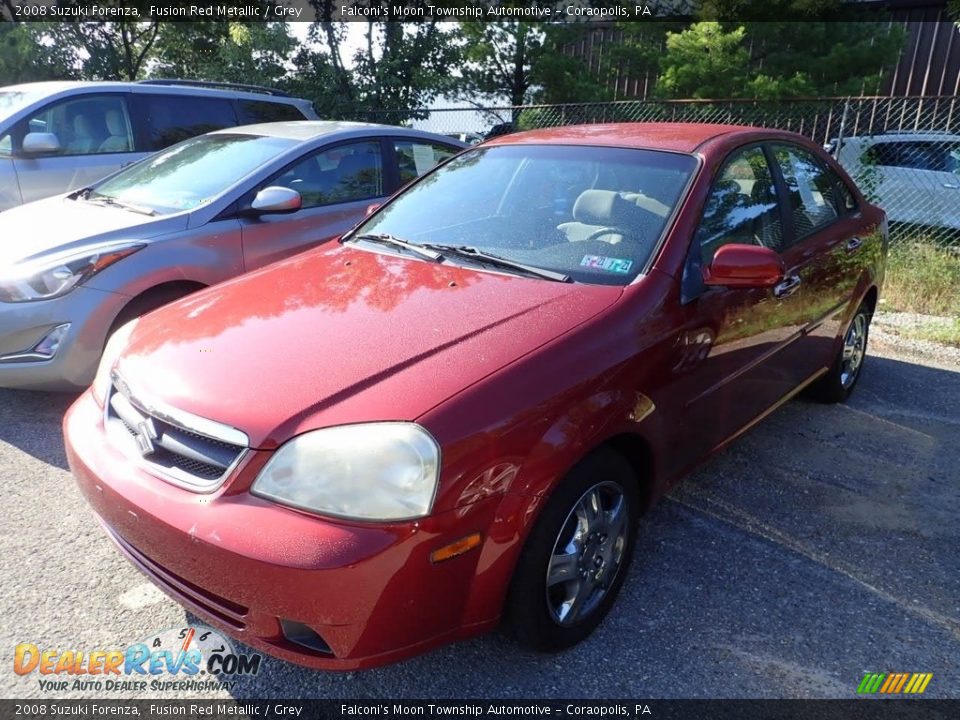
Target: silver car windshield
190, 174
12, 101
590, 214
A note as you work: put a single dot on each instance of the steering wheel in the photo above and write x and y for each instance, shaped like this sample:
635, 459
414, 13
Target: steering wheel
600, 232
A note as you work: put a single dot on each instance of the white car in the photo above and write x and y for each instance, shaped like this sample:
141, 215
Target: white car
915, 177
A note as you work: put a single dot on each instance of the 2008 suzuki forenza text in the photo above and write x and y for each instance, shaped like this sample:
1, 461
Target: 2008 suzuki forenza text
455, 417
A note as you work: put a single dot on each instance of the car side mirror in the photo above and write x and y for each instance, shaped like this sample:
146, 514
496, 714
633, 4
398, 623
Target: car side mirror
744, 266
276, 200
41, 143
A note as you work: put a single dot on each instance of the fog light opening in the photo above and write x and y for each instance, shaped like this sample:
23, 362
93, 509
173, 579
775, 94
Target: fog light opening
304, 636
48, 347
454, 549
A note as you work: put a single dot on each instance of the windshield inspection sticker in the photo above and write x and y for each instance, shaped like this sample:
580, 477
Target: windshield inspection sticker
609, 264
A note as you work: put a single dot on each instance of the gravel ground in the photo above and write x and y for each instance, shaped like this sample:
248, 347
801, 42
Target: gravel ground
822, 545
886, 330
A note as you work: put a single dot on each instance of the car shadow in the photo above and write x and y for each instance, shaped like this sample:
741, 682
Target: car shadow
31, 422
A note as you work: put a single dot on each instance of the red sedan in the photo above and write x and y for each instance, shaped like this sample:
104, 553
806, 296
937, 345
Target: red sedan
456, 416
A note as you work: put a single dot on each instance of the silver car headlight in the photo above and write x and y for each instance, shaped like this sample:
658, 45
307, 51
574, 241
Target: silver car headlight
54, 275
374, 471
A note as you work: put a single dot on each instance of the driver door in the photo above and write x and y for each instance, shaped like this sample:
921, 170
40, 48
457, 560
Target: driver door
336, 185
731, 364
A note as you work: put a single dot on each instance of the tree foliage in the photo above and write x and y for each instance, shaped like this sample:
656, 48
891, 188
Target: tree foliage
781, 48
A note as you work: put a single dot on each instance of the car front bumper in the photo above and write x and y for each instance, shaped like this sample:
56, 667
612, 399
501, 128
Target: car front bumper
369, 592
89, 312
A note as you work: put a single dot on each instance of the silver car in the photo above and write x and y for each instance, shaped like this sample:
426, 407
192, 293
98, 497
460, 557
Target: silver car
76, 267
57, 136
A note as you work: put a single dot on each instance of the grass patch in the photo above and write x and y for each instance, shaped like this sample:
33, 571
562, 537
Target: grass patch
922, 278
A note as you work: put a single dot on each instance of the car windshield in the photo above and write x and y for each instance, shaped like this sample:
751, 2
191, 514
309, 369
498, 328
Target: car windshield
190, 174
12, 101
594, 214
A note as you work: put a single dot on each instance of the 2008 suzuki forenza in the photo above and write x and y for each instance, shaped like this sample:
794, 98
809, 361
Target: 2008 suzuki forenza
456, 416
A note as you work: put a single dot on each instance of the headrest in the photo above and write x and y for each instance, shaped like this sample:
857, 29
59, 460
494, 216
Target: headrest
115, 122
607, 208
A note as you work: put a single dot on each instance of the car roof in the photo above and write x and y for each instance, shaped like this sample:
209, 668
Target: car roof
304, 130
57, 87
678, 137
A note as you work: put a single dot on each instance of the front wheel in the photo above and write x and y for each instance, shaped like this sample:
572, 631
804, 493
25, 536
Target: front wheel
577, 555
842, 377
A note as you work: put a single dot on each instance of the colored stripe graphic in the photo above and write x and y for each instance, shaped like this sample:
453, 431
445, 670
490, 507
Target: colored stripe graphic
894, 683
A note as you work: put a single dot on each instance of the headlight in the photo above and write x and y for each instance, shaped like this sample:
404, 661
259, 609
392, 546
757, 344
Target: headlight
376, 471
115, 345
51, 276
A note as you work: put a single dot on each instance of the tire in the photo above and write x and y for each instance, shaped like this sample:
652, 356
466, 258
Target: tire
841, 379
150, 301
554, 603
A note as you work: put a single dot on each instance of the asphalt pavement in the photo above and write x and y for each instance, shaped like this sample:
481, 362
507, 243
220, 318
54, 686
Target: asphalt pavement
822, 545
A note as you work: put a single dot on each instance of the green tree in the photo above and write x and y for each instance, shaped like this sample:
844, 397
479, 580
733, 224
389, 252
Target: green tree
704, 61
253, 53
101, 51
759, 57
23, 57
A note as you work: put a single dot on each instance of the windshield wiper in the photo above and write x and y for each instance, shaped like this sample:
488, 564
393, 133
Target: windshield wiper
468, 251
387, 239
91, 195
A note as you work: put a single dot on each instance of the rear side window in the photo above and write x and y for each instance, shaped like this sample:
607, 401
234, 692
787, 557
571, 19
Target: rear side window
259, 111
415, 157
171, 118
810, 189
742, 206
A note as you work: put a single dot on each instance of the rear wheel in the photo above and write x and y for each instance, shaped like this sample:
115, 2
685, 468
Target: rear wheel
842, 377
577, 555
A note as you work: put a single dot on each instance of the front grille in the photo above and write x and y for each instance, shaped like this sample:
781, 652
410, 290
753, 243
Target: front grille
170, 448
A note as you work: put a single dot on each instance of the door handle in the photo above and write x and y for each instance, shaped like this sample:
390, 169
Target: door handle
787, 287
854, 243
952, 186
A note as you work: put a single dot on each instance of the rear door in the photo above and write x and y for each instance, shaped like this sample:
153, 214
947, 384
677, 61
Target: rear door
823, 253
918, 180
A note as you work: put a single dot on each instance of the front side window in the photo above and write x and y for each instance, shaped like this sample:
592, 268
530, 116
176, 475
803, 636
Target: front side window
810, 190
6, 146
416, 157
344, 173
173, 118
190, 174
742, 206
88, 125
594, 214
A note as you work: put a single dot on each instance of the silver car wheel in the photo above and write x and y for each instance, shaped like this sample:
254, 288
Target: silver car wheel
587, 553
854, 348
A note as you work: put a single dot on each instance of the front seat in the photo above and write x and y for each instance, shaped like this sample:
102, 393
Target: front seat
118, 141
606, 215
83, 140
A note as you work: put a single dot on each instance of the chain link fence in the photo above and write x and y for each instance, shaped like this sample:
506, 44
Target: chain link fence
903, 152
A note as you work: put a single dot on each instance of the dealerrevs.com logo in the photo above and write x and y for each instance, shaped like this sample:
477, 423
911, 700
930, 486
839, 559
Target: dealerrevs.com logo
192, 658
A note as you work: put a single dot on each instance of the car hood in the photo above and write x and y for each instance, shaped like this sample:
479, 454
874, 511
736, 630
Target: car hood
342, 335
59, 223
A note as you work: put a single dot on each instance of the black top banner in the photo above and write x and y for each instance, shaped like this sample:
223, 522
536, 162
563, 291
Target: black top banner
568, 11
